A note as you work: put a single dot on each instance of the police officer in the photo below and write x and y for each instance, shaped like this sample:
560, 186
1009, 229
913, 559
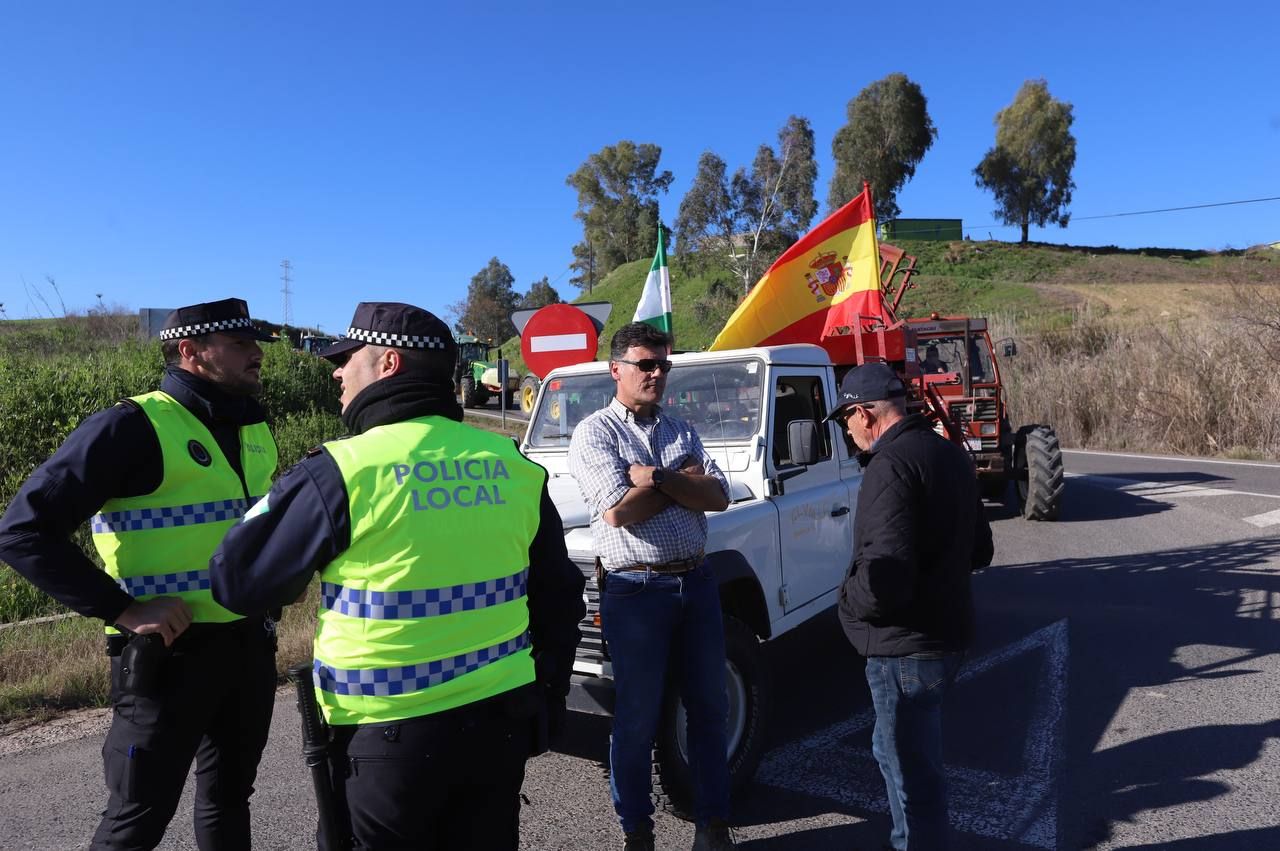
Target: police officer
449, 608
163, 476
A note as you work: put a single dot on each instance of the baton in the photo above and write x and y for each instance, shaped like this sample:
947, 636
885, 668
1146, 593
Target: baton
315, 752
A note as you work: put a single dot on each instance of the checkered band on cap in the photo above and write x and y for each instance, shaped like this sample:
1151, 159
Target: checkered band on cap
424, 603
384, 682
396, 341
200, 328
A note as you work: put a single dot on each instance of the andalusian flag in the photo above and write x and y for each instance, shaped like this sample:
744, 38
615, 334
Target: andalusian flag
833, 269
655, 301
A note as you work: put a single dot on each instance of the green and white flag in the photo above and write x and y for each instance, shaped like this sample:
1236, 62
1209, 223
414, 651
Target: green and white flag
655, 302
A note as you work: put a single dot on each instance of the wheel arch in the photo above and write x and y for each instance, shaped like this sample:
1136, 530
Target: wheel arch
740, 592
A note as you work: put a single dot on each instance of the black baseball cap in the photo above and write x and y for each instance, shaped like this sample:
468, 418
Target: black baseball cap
870, 382
228, 316
395, 325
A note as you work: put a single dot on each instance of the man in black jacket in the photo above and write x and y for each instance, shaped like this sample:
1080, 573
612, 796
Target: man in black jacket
906, 605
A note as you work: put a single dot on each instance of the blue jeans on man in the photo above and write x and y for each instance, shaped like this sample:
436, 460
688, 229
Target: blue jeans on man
665, 629
907, 693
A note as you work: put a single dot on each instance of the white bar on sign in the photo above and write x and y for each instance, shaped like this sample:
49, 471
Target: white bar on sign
558, 343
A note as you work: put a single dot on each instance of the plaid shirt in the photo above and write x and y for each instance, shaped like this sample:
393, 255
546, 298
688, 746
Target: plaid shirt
604, 446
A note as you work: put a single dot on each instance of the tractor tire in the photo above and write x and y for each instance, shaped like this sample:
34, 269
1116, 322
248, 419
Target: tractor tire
482, 395
750, 687
528, 393
1038, 452
468, 392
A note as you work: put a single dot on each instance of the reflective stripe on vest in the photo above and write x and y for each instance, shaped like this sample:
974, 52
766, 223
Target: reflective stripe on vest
160, 543
426, 610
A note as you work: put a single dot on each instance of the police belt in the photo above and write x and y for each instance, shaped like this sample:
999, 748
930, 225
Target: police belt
672, 567
199, 636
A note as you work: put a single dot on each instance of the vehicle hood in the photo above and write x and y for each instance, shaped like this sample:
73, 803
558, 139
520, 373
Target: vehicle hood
568, 499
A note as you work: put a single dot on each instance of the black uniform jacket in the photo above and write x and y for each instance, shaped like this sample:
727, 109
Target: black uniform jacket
268, 563
919, 532
113, 453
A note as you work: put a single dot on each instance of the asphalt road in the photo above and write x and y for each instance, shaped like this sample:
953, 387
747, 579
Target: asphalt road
1122, 694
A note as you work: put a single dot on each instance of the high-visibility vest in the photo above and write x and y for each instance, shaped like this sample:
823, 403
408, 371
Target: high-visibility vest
426, 610
160, 543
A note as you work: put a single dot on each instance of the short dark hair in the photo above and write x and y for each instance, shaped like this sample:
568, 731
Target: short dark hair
169, 348
637, 334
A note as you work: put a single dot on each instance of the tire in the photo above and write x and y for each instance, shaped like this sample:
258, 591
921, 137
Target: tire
482, 395
1038, 452
528, 393
750, 695
468, 391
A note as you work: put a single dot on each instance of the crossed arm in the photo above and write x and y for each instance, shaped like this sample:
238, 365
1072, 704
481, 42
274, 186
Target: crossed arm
689, 486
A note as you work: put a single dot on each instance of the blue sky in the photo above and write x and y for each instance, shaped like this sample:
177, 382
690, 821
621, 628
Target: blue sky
167, 153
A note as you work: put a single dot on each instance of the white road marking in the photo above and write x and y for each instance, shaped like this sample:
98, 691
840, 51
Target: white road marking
1161, 489
1023, 807
1182, 459
558, 343
1270, 518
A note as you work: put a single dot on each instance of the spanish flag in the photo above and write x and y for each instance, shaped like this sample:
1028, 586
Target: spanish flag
829, 277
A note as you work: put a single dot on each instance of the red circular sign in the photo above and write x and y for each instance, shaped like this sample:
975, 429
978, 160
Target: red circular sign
558, 335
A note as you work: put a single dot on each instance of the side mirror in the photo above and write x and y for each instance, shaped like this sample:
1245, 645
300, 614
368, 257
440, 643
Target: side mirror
1010, 348
802, 441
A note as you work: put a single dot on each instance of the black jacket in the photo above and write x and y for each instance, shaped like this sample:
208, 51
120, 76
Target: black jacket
112, 454
268, 563
919, 532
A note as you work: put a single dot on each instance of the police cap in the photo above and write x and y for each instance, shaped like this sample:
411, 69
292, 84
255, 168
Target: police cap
394, 325
228, 316
868, 383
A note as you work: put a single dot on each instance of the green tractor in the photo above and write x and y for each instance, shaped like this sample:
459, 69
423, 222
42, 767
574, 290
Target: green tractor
475, 377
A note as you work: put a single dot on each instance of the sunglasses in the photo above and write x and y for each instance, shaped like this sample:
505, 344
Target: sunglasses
843, 417
648, 364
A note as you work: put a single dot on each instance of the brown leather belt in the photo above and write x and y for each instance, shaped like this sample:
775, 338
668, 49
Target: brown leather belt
681, 566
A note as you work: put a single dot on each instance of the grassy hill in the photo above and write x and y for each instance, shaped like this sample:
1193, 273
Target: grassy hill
1038, 286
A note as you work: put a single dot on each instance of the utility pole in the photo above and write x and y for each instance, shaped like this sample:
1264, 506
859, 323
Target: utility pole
591, 266
288, 268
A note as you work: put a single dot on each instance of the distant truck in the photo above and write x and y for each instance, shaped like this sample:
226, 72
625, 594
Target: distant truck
475, 376
780, 551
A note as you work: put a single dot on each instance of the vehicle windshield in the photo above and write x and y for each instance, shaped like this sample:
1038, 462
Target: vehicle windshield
946, 354
721, 401
473, 351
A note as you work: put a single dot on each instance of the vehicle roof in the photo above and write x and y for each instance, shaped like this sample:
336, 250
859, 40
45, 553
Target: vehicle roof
798, 354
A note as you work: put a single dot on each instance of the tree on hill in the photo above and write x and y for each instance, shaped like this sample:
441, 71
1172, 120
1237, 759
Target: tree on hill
540, 294
746, 221
486, 311
1029, 169
888, 133
618, 189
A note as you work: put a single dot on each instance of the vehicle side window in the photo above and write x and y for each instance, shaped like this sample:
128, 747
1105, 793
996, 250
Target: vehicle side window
798, 397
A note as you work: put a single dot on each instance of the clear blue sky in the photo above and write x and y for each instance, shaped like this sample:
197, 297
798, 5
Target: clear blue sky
167, 153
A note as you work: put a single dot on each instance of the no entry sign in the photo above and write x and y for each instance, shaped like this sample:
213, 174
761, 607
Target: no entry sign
557, 335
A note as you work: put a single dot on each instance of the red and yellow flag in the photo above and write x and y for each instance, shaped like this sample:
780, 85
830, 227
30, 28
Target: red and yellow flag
829, 276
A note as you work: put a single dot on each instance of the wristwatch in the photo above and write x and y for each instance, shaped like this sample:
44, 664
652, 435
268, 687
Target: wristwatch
659, 476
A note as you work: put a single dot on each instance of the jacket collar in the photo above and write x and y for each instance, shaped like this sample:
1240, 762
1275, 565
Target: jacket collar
908, 423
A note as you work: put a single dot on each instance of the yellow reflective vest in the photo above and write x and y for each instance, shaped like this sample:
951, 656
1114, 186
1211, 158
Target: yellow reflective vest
426, 610
160, 543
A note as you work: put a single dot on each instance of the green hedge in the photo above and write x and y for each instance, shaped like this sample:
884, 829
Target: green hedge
46, 391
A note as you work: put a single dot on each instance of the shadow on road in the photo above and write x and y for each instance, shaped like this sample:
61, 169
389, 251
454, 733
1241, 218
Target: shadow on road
1138, 623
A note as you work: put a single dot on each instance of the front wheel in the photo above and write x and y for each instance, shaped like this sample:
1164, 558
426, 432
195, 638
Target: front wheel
468, 392
750, 690
528, 393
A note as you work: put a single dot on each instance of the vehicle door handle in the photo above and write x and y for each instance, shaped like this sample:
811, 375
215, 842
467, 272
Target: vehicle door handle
840, 512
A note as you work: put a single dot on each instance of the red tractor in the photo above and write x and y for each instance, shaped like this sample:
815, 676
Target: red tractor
954, 378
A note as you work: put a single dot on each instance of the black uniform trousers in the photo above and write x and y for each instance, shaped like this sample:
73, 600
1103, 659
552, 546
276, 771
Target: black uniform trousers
439, 782
212, 703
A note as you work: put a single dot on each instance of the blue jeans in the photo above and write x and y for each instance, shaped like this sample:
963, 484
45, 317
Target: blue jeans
665, 629
907, 693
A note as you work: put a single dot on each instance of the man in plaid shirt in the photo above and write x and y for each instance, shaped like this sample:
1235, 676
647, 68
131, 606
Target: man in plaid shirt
648, 483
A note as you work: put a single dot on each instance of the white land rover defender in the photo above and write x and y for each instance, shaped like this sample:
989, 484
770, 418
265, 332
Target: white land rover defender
780, 550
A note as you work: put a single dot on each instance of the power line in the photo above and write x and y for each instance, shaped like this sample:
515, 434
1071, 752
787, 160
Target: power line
1075, 219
